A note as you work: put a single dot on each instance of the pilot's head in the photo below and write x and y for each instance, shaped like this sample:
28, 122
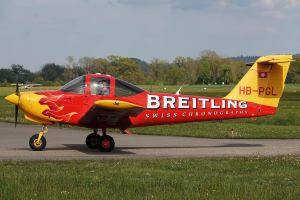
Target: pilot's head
103, 84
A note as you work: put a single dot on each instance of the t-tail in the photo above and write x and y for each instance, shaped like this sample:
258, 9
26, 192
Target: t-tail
263, 84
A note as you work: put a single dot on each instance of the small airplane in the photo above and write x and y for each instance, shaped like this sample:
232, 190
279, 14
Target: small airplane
26, 85
99, 101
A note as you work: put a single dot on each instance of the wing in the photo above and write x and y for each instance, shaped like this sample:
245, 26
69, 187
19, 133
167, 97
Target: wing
111, 113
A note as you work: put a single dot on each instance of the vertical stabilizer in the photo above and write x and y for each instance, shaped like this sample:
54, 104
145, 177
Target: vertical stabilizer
264, 82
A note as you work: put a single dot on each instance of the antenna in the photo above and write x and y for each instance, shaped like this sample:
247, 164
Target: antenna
178, 91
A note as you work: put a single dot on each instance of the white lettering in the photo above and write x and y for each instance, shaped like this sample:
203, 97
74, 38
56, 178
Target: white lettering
168, 100
194, 103
203, 102
223, 103
231, 103
213, 106
153, 101
183, 102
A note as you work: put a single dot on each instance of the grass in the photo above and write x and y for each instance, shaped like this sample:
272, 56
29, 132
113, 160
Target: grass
206, 178
285, 124
232, 129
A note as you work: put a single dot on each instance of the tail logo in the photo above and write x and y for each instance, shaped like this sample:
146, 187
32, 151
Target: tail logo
263, 74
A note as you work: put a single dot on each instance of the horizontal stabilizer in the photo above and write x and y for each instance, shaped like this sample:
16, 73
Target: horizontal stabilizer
272, 60
267, 60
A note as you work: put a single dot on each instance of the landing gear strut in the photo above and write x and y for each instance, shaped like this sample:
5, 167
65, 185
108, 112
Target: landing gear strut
38, 142
104, 143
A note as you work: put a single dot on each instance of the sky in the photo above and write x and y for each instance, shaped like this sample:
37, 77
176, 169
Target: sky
35, 32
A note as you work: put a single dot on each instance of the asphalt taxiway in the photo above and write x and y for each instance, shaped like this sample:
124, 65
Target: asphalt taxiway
67, 143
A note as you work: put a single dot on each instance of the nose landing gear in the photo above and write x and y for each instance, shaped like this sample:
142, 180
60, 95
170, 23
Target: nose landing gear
38, 142
104, 143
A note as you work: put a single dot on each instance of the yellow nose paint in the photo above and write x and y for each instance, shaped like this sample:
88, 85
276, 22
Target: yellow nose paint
29, 104
12, 98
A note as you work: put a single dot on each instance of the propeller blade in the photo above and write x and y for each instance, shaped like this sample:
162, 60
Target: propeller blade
16, 115
17, 86
17, 106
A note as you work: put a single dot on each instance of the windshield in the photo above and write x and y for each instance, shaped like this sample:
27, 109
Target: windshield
77, 86
124, 88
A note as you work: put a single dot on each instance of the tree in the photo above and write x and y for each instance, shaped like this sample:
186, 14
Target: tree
7, 76
52, 72
204, 73
175, 75
190, 68
86, 63
158, 70
294, 71
70, 62
238, 69
213, 61
102, 65
24, 75
129, 70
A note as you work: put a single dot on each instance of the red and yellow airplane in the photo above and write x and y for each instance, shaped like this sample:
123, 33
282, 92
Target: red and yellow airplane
99, 101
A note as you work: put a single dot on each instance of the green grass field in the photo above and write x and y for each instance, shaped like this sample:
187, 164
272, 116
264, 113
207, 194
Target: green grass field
206, 178
201, 178
285, 124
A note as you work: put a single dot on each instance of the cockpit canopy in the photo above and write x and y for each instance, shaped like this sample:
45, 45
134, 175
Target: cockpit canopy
101, 85
124, 88
76, 85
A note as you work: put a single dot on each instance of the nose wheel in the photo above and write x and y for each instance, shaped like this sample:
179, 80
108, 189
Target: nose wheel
104, 143
38, 142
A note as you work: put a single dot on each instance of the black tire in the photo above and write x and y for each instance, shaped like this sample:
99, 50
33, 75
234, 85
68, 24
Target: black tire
106, 143
91, 140
37, 146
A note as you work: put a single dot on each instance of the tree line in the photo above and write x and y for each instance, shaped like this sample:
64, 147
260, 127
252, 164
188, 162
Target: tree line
208, 68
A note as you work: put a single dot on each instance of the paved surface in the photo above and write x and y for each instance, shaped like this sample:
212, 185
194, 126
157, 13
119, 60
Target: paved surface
70, 144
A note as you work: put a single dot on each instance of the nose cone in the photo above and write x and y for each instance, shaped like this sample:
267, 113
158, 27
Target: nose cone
13, 98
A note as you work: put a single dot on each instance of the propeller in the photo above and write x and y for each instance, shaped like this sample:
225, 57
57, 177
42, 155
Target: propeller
17, 106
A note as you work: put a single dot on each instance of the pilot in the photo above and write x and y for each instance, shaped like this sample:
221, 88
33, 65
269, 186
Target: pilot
103, 88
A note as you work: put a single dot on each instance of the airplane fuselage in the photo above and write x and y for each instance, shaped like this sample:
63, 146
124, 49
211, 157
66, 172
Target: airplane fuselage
156, 109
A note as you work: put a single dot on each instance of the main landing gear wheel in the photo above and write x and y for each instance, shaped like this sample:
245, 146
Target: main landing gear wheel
37, 144
106, 143
92, 140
